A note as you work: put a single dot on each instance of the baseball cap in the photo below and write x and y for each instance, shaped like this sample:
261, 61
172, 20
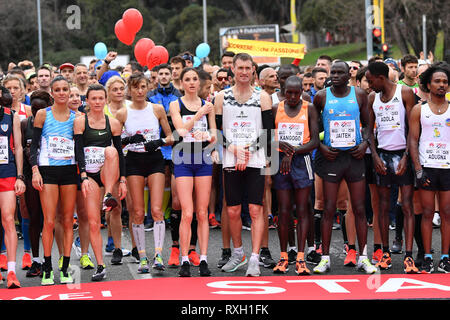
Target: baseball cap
66, 65
108, 74
393, 62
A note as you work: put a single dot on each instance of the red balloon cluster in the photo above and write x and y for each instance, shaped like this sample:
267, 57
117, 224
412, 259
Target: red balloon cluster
145, 51
127, 27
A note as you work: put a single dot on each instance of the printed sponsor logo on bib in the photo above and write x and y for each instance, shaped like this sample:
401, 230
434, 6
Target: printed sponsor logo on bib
94, 158
388, 117
437, 154
242, 132
60, 148
291, 133
342, 133
200, 125
4, 154
150, 134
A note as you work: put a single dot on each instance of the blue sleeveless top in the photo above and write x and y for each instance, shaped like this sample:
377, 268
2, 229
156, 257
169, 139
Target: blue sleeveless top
57, 144
341, 121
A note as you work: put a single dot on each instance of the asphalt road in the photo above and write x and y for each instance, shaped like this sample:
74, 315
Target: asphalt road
128, 270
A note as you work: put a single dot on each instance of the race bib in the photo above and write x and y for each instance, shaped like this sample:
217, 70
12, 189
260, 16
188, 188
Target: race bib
437, 154
242, 132
94, 158
151, 134
388, 117
201, 126
4, 154
60, 148
342, 133
291, 133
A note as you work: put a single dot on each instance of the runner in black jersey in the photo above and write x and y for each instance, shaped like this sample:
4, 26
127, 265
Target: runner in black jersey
40, 99
100, 165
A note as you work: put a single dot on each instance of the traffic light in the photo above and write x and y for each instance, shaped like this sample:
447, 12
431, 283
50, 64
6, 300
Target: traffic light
385, 48
376, 41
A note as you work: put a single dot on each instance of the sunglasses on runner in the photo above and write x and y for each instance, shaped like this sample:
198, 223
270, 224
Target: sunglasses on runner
221, 78
354, 68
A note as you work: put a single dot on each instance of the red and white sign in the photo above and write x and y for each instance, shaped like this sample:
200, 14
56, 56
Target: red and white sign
348, 287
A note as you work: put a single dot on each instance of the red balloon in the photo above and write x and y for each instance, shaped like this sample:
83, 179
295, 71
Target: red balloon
141, 50
158, 55
133, 20
123, 33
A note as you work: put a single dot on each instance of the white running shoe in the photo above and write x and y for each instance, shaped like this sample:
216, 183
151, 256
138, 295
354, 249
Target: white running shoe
323, 266
366, 266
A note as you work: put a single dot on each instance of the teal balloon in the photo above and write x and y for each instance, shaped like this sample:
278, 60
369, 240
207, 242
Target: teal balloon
100, 50
197, 62
202, 50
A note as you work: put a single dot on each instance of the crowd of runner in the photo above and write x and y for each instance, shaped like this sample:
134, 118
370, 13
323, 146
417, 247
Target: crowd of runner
234, 146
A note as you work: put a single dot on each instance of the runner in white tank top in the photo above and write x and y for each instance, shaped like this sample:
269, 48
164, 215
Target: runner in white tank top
144, 160
390, 106
429, 140
245, 114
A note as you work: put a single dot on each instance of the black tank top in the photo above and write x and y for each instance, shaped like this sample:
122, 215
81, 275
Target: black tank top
193, 146
97, 137
26, 142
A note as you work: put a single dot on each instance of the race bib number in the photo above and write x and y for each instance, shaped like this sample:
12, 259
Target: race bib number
342, 133
388, 117
437, 154
151, 134
60, 148
291, 133
4, 154
94, 158
199, 126
242, 132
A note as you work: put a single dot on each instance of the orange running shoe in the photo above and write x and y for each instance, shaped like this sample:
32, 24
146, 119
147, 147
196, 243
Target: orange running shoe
3, 262
350, 259
213, 223
26, 261
385, 262
282, 265
301, 269
194, 258
12, 280
409, 266
377, 255
174, 260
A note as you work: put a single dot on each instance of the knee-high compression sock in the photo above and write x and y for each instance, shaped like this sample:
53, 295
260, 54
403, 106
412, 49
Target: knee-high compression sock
194, 225
175, 217
159, 231
26, 234
139, 239
343, 225
398, 222
317, 220
418, 233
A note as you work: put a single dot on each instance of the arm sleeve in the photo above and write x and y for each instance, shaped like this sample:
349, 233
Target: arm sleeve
79, 152
37, 133
268, 125
118, 145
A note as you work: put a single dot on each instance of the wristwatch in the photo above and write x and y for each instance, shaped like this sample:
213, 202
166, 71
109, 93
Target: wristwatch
84, 178
21, 177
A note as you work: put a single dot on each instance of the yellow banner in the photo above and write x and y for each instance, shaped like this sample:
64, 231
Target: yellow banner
267, 48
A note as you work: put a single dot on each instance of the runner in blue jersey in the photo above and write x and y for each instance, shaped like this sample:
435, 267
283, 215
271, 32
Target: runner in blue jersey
341, 156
